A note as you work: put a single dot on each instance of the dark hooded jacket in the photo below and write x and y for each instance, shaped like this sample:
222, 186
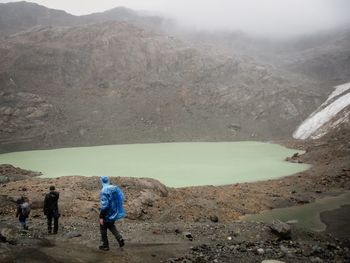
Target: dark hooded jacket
50, 203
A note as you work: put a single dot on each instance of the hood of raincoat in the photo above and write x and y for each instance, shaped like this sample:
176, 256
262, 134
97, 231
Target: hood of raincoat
111, 201
104, 181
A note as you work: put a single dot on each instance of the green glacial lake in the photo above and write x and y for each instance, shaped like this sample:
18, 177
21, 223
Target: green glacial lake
174, 164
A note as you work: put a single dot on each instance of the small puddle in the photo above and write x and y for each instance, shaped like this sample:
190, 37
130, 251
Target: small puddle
308, 215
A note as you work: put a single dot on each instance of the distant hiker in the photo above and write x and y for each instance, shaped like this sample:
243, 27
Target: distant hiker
23, 211
51, 209
111, 201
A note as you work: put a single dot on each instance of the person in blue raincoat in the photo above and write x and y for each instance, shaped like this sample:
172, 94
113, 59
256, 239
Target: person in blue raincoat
111, 210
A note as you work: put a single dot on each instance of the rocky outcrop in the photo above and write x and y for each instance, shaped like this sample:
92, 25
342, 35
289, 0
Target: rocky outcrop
81, 194
281, 229
22, 114
9, 173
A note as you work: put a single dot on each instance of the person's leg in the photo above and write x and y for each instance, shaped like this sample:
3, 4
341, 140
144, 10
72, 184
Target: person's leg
55, 225
104, 238
25, 226
111, 226
22, 222
49, 223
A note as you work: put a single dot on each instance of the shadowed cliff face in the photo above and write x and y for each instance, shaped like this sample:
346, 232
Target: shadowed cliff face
115, 83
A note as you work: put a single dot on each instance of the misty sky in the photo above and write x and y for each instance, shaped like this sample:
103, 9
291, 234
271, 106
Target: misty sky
263, 17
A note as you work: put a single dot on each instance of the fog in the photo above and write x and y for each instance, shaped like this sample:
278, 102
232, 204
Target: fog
263, 17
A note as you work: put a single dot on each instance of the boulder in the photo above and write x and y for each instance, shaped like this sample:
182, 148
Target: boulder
4, 179
214, 218
72, 234
281, 229
142, 184
188, 235
9, 234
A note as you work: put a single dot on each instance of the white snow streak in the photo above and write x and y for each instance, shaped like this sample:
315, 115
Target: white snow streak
322, 116
338, 90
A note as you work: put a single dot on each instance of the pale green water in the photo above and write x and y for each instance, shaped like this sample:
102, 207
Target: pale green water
308, 215
174, 164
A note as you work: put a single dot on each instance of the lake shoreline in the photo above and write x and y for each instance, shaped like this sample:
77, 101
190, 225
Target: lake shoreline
174, 164
152, 207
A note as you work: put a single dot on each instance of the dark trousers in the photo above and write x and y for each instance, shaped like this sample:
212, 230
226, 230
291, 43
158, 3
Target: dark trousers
23, 221
113, 229
49, 223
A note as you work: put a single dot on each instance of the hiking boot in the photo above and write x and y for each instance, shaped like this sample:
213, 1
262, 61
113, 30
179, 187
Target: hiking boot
104, 248
121, 242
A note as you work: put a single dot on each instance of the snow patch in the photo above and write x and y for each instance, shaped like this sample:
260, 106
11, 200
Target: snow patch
312, 126
338, 90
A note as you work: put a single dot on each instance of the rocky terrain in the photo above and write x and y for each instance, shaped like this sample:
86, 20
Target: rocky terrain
120, 77
139, 85
193, 224
22, 16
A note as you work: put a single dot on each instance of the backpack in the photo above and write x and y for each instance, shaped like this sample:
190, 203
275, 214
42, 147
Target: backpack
120, 199
25, 209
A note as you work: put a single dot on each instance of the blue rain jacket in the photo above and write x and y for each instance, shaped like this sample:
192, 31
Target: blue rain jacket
111, 201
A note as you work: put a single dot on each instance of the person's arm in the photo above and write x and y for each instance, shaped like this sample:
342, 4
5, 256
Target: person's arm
18, 210
45, 204
104, 206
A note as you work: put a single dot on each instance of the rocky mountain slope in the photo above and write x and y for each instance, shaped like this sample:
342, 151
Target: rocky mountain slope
325, 57
21, 16
116, 83
94, 82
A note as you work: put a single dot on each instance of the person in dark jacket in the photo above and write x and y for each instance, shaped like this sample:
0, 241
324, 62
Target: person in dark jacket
111, 209
51, 209
23, 210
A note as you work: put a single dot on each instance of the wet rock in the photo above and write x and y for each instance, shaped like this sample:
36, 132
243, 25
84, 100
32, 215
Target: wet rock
72, 234
188, 235
4, 179
316, 249
2, 238
282, 230
284, 250
302, 201
260, 251
214, 218
316, 260
292, 222
10, 234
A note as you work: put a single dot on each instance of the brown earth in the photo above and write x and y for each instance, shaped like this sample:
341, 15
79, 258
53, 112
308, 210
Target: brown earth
159, 217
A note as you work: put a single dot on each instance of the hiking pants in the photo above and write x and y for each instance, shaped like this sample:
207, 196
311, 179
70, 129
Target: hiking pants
113, 229
49, 223
23, 221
